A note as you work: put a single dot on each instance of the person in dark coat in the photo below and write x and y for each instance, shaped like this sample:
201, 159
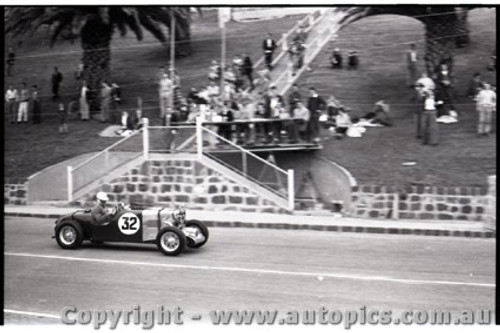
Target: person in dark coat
353, 60
336, 59
36, 105
269, 45
56, 81
247, 69
315, 105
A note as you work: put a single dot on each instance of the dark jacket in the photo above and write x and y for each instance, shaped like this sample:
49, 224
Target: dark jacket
314, 104
266, 47
267, 105
99, 215
247, 67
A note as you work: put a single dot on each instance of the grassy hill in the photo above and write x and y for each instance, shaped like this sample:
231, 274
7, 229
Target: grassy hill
460, 159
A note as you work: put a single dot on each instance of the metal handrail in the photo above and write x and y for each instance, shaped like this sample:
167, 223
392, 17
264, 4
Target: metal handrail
106, 150
245, 151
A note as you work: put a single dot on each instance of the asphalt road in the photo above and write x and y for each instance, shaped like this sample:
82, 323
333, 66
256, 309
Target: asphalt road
243, 269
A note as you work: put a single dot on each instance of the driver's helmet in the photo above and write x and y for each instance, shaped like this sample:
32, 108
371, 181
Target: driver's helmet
102, 196
179, 214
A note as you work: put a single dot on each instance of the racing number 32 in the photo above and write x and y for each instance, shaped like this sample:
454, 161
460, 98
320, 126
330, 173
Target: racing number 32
129, 224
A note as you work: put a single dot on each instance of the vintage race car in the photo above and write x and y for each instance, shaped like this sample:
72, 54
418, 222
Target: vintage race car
168, 230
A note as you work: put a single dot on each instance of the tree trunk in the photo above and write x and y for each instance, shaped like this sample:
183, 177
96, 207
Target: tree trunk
96, 39
183, 36
462, 27
440, 41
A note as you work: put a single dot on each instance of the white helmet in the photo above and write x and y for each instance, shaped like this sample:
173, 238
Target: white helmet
102, 196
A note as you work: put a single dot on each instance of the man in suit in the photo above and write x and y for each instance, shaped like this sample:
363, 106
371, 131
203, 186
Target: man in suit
315, 105
336, 58
269, 45
412, 61
247, 69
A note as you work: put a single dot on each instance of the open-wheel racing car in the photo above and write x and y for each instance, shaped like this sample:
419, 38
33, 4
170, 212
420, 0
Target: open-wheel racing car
169, 230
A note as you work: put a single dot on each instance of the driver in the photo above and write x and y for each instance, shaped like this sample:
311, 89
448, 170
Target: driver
98, 212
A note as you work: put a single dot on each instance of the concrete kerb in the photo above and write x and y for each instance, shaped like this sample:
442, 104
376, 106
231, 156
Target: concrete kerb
349, 227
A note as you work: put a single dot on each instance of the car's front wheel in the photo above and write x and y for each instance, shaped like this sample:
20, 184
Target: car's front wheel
201, 228
69, 235
171, 241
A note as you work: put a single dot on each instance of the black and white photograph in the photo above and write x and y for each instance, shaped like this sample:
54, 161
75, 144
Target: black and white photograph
249, 166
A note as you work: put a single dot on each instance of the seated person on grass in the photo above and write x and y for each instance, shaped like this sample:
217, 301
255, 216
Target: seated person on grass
342, 123
380, 114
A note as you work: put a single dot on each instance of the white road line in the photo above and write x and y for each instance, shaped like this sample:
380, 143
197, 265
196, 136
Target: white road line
34, 314
258, 271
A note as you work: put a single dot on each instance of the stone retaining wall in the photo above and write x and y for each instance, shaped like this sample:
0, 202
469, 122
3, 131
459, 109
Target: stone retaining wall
169, 183
15, 194
421, 202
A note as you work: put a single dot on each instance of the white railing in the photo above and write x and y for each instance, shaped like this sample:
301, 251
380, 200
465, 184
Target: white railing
197, 140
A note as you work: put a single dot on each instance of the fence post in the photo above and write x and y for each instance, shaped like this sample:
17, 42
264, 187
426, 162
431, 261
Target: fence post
145, 138
70, 182
199, 138
244, 162
291, 190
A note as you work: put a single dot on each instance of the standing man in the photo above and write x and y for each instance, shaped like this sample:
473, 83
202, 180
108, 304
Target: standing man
84, 105
412, 61
247, 69
486, 104
315, 105
269, 45
11, 60
445, 88
105, 101
24, 95
293, 99
56, 80
37, 112
336, 58
429, 124
166, 88
11, 98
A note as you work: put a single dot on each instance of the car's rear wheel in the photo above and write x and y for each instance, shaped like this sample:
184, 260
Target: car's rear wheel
171, 241
202, 228
69, 235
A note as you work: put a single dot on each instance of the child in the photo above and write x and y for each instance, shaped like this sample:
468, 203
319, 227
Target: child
61, 114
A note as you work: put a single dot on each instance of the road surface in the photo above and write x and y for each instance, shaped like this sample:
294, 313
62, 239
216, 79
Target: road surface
244, 269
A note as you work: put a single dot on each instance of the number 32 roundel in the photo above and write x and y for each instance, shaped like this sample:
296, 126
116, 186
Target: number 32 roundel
129, 224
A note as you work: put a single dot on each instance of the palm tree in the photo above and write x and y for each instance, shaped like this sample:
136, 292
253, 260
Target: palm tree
95, 26
443, 25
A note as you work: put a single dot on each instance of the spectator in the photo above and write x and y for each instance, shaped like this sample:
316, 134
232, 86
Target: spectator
22, 112
247, 69
11, 97
56, 81
425, 83
353, 60
475, 86
272, 104
269, 45
227, 116
62, 115
486, 105
138, 121
105, 101
11, 60
300, 35
336, 59
315, 105
493, 61
84, 105
36, 105
412, 64
243, 113
215, 71
166, 86
380, 114
302, 115
444, 88
79, 71
293, 99
429, 124
342, 123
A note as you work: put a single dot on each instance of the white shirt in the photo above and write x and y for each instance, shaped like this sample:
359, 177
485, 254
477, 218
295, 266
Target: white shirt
165, 84
429, 104
486, 97
413, 56
10, 94
84, 92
